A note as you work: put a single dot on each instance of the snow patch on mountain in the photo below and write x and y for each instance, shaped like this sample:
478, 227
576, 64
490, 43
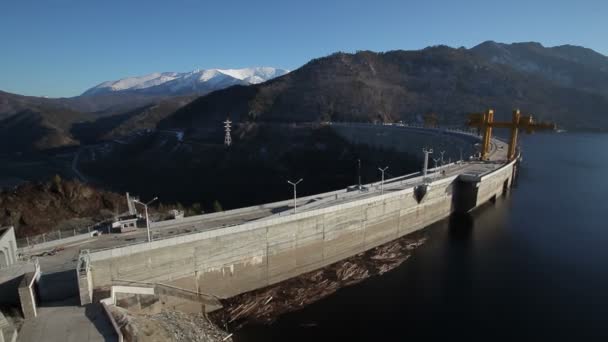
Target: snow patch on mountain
197, 80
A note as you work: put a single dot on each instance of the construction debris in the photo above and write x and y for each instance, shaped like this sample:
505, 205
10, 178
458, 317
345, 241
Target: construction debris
167, 326
267, 304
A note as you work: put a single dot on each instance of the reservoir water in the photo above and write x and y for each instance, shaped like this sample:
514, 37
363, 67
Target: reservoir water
532, 266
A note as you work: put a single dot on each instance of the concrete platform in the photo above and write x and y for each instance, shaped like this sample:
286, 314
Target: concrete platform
68, 322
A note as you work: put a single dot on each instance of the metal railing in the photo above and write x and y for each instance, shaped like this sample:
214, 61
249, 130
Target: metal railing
30, 241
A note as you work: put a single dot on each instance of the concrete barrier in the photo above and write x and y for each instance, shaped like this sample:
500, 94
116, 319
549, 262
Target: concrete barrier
8, 247
115, 326
164, 289
85, 278
27, 295
226, 261
128, 290
230, 260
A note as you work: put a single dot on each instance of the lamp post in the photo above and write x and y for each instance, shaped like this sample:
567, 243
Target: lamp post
426, 152
294, 193
147, 217
382, 183
436, 160
442, 152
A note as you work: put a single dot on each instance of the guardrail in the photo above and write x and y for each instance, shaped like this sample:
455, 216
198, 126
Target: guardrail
30, 241
55, 243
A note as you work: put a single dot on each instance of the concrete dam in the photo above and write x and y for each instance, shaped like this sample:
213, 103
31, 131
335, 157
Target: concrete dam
228, 253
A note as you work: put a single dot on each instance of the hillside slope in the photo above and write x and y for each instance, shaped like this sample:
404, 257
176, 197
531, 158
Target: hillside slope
38, 208
565, 84
142, 118
33, 124
567, 65
397, 85
38, 129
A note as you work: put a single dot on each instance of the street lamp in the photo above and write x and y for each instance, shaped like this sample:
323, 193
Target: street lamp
382, 183
436, 161
147, 217
294, 193
426, 152
442, 152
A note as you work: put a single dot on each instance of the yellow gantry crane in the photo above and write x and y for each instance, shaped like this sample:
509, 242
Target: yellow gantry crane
485, 123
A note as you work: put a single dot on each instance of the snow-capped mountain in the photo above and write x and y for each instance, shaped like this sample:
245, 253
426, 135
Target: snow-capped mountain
197, 81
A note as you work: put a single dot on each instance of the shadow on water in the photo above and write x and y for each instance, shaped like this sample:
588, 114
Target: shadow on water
460, 227
531, 266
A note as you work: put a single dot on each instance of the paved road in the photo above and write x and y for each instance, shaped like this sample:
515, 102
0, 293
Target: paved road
70, 323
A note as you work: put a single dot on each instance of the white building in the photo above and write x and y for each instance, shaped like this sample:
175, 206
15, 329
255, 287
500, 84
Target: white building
8, 247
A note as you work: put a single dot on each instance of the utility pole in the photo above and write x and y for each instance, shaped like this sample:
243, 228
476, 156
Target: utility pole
426, 152
227, 136
382, 183
295, 194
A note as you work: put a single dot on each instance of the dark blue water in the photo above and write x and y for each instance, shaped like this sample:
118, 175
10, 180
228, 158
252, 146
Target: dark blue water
532, 266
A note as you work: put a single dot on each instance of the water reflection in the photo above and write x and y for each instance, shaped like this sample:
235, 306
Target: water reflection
534, 265
460, 227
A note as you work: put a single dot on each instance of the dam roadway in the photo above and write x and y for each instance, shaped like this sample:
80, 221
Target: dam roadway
66, 256
227, 253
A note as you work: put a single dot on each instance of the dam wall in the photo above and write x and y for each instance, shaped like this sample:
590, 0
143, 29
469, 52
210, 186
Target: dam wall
409, 140
226, 261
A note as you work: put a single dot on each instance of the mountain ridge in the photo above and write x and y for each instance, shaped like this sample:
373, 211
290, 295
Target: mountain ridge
403, 85
201, 80
566, 84
566, 65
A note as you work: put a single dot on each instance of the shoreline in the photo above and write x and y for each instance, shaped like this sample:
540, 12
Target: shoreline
266, 305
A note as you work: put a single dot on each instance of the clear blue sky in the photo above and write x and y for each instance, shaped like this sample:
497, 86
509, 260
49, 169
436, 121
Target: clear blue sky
62, 47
